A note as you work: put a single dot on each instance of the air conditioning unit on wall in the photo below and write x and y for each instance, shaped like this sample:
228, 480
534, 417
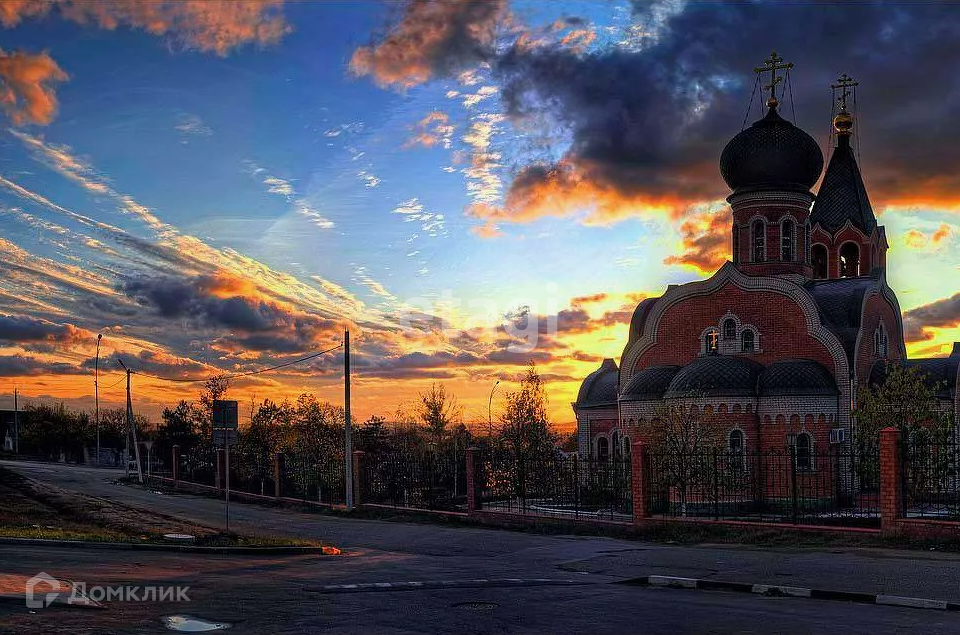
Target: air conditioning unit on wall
838, 435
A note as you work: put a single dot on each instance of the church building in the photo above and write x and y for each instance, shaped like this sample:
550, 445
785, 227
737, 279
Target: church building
775, 344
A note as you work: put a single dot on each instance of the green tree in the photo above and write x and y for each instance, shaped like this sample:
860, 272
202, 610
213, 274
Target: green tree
436, 411
906, 399
524, 427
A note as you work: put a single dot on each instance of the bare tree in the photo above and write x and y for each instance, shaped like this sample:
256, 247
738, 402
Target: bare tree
437, 410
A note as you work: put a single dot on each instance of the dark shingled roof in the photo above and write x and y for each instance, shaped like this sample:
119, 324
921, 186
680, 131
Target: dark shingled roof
639, 318
600, 386
716, 375
649, 383
842, 196
772, 153
840, 303
797, 377
939, 371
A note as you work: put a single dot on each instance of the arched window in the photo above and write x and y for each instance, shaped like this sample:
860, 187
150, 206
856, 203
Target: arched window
711, 342
729, 329
818, 258
849, 260
880, 341
603, 449
788, 237
735, 446
758, 240
736, 244
804, 452
747, 343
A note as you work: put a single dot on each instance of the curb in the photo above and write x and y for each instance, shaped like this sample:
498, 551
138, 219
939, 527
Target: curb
130, 546
773, 590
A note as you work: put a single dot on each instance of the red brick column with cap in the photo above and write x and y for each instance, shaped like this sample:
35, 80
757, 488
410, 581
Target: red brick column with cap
357, 477
471, 458
176, 465
639, 481
891, 475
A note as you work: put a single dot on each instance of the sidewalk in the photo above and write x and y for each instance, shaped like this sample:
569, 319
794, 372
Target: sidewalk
929, 575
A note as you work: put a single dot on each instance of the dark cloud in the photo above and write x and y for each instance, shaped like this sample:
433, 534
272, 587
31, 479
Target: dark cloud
944, 313
26, 366
434, 38
647, 126
20, 329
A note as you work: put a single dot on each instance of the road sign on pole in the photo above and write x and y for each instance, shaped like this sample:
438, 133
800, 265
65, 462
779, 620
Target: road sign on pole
225, 422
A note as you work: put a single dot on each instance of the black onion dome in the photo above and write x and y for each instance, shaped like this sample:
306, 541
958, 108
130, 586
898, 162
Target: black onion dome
716, 376
771, 153
600, 386
797, 377
649, 383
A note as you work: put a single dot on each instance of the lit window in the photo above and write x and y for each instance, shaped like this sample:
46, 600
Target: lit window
849, 260
747, 341
759, 240
787, 237
711, 341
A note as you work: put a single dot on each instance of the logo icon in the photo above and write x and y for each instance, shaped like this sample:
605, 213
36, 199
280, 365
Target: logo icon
42, 589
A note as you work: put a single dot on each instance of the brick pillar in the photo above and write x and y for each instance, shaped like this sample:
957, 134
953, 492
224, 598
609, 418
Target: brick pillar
891, 474
472, 499
277, 474
640, 482
176, 465
219, 481
357, 477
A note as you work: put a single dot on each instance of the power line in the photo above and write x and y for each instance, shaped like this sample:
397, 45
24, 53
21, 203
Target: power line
247, 374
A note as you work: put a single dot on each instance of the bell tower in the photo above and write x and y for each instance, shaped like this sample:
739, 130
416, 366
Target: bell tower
846, 240
771, 167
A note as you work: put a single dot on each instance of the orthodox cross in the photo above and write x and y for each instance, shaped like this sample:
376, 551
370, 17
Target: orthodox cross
844, 83
772, 65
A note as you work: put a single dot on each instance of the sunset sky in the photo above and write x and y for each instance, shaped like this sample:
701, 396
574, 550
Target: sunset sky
220, 187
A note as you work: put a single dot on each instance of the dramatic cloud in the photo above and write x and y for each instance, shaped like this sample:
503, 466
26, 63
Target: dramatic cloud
26, 86
943, 314
434, 38
22, 329
27, 366
706, 241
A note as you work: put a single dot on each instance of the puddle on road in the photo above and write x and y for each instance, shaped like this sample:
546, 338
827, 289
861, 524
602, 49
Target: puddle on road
187, 624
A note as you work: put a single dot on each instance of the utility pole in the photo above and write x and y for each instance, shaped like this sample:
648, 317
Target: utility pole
96, 395
131, 430
16, 423
347, 441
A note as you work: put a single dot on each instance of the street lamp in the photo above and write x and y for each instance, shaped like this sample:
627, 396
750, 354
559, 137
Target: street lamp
490, 410
96, 394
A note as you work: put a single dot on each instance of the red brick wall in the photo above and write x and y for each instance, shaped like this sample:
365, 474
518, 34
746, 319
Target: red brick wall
780, 321
877, 308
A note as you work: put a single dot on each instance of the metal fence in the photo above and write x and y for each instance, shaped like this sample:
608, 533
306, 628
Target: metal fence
427, 480
838, 485
559, 486
931, 487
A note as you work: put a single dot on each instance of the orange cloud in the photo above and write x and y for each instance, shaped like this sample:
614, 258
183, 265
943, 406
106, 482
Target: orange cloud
433, 129
568, 189
943, 232
434, 37
706, 242
216, 26
26, 87
916, 239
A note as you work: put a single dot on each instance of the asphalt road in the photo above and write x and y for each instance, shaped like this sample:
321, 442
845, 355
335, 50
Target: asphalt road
280, 595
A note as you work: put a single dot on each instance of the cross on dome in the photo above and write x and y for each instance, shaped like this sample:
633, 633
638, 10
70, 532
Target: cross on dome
772, 65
